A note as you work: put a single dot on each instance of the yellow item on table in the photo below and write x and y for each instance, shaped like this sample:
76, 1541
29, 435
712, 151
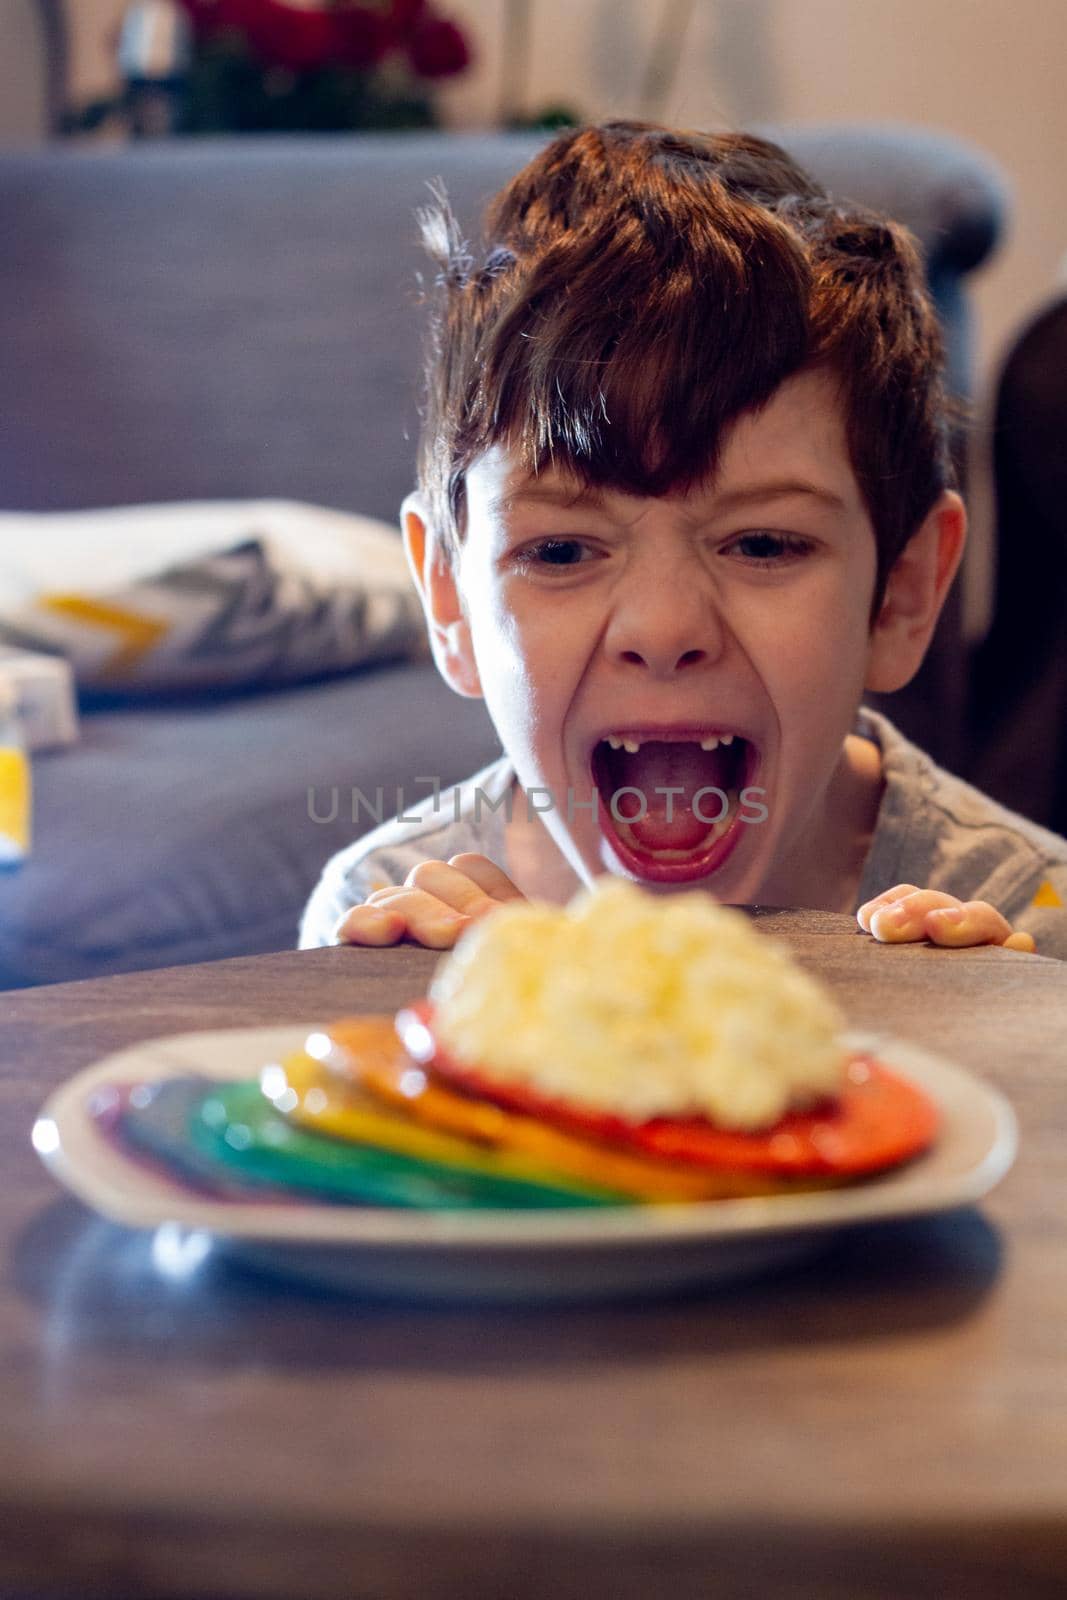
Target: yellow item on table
14, 805
15, 790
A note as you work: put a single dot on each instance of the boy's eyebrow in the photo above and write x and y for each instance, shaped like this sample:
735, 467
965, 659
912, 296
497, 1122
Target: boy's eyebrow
557, 496
779, 489
731, 500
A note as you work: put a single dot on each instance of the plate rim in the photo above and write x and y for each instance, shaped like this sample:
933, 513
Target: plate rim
99, 1173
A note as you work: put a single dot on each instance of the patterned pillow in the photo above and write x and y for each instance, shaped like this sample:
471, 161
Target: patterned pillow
211, 595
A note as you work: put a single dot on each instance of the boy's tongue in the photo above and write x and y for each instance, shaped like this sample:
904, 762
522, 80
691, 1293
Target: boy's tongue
658, 766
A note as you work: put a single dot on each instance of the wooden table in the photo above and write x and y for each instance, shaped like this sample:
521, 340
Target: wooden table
890, 1421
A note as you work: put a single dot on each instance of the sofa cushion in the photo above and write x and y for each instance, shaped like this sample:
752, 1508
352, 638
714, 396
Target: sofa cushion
188, 832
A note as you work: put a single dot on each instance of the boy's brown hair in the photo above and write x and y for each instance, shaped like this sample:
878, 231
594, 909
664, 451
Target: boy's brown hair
642, 288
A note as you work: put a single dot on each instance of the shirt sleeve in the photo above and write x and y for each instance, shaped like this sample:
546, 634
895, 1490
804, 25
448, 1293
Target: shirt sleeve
1042, 911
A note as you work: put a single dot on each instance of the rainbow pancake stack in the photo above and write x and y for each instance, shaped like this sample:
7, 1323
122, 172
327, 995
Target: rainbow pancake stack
627, 1050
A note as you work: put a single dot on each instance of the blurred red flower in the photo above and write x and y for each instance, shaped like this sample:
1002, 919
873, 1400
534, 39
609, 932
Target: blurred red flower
363, 37
303, 37
437, 48
402, 13
292, 36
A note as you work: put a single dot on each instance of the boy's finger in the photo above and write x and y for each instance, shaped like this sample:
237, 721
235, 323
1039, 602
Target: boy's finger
1021, 941
409, 913
487, 875
869, 907
973, 922
451, 887
903, 919
369, 924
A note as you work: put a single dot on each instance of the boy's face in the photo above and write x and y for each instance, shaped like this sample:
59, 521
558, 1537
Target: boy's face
740, 609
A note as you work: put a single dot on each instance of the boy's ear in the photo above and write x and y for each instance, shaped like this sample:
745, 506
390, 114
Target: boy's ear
446, 620
915, 592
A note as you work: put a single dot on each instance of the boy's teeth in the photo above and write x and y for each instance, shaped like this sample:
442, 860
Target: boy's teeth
632, 746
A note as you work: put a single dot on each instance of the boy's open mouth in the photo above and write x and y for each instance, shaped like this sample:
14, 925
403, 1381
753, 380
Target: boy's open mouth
670, 807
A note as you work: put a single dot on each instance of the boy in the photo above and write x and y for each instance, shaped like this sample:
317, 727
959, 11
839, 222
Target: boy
684, 495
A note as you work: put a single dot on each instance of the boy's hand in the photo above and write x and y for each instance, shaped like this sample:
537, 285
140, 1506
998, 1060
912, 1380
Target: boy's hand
433, 905
906, 913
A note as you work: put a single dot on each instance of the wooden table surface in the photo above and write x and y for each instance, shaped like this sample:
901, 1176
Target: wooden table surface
890, 1420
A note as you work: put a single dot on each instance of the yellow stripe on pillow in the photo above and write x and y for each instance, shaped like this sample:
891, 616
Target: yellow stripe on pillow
139, 633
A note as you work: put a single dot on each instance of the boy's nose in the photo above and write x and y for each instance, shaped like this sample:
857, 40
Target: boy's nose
665, 622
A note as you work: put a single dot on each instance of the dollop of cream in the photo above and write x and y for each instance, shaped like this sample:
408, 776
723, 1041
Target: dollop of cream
640, 1005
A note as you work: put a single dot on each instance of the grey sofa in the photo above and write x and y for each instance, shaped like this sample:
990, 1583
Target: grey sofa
239, 319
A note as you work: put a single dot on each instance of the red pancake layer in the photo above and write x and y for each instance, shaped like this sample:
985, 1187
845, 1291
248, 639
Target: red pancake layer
879, 1120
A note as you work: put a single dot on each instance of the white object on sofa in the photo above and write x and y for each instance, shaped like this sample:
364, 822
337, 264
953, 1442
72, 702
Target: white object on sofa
43, 690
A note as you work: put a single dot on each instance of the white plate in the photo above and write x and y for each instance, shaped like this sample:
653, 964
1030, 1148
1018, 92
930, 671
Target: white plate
511, 1255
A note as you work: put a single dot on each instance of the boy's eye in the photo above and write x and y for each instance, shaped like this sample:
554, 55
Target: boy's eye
763, 549
554, 553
